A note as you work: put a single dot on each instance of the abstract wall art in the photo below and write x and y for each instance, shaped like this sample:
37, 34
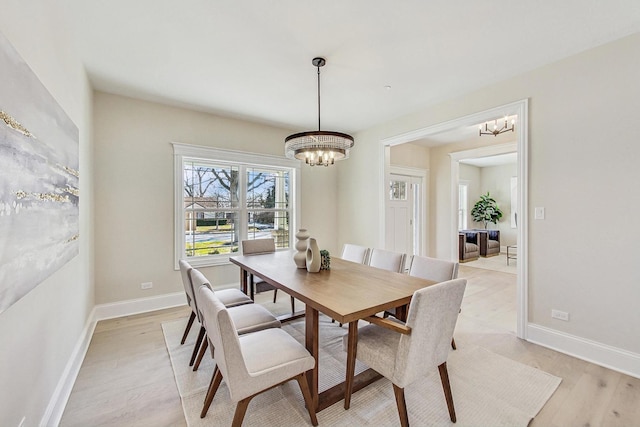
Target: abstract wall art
39, 180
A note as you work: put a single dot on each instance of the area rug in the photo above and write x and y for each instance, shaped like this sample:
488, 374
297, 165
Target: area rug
488, 389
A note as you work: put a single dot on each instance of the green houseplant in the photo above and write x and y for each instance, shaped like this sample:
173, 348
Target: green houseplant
486, 210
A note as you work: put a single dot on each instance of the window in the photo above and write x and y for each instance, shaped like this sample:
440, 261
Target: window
463, 205
224, 197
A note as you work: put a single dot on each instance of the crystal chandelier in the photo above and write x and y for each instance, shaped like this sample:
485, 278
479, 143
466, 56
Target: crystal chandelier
495, 132
319, 147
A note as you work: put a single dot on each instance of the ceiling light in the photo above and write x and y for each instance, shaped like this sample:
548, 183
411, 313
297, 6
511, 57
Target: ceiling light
319, 147
496, 131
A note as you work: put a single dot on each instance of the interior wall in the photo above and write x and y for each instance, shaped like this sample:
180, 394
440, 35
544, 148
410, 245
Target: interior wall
471, 174
38, 334
410, 155
573, 160
497, 180
135, 199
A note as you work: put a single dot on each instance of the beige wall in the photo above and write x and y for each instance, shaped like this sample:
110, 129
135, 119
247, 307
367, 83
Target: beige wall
39, 332
497, 180
411, 155
134, 191
581, 256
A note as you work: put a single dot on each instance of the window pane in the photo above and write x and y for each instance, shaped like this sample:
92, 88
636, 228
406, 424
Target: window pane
269, 224
398, 190
210, 233
209, 186
267, 189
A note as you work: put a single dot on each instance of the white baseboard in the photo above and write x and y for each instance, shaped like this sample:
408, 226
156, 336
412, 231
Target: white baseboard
58, 401
139, 305
610, 357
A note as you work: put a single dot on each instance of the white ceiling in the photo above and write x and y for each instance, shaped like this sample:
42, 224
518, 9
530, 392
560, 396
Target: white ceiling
252, 58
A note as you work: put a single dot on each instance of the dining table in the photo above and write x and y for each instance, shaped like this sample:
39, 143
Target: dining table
347, 293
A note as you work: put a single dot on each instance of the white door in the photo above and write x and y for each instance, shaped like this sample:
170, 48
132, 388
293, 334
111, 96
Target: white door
402, 229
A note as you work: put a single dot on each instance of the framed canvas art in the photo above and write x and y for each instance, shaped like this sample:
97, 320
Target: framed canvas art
39, 180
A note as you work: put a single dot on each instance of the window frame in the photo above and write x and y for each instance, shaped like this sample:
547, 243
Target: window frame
186, 152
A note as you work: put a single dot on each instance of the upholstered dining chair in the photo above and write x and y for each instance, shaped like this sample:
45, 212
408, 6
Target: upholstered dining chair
438, 270
256, 284
387, 260
405, 353
228, 297
253, 363
247, 318
355, 253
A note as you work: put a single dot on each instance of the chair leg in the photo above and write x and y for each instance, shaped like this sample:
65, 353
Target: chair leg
186, 331
241, 409
444, 376
216, 379
453, 344
275, 295
306, 393
293, 305
197, 346
203, 350
402, 405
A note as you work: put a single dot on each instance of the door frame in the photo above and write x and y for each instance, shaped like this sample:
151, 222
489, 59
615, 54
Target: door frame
521, 109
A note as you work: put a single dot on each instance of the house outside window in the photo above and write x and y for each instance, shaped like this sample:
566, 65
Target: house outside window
224, 197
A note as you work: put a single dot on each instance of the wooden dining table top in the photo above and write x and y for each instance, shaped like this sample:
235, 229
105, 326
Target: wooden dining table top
347, 292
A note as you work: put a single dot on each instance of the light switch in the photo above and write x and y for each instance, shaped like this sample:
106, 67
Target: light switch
539, 213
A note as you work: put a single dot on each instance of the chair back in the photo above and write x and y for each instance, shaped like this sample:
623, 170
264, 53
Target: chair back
432, 318
387, 260
438, 270
258, 246
185, 272
355, 253
221, 331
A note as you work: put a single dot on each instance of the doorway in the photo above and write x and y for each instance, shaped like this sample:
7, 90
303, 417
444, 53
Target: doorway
519, 109
405, 225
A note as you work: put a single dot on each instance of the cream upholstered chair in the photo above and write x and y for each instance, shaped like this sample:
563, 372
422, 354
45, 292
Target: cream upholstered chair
228, 297
256, 284
247, 317
355, 253
438, 270
387, 260
406, 353
251, 363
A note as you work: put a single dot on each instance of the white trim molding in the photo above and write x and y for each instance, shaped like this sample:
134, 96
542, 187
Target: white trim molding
138, 306
60, 396
604, 355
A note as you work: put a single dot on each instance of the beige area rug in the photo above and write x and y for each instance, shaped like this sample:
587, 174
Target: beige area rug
488, 389
495, 263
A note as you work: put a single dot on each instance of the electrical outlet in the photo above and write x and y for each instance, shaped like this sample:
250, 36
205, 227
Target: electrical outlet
538, 213
560, 315
146, 285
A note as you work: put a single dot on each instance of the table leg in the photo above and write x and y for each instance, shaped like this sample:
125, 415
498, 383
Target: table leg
243, 281
313, 347
352, 347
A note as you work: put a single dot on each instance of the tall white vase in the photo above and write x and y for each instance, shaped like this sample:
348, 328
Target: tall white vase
300, 257
313, 256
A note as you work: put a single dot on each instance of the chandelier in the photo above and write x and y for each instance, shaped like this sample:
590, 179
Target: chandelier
495, 132
319, 147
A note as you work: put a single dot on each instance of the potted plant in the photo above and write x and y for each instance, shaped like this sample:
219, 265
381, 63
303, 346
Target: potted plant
486, 210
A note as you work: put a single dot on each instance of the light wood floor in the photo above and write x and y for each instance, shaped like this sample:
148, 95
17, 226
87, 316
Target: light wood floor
127, 380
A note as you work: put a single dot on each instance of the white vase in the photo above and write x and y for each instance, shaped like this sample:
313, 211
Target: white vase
300, 257
313, 256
